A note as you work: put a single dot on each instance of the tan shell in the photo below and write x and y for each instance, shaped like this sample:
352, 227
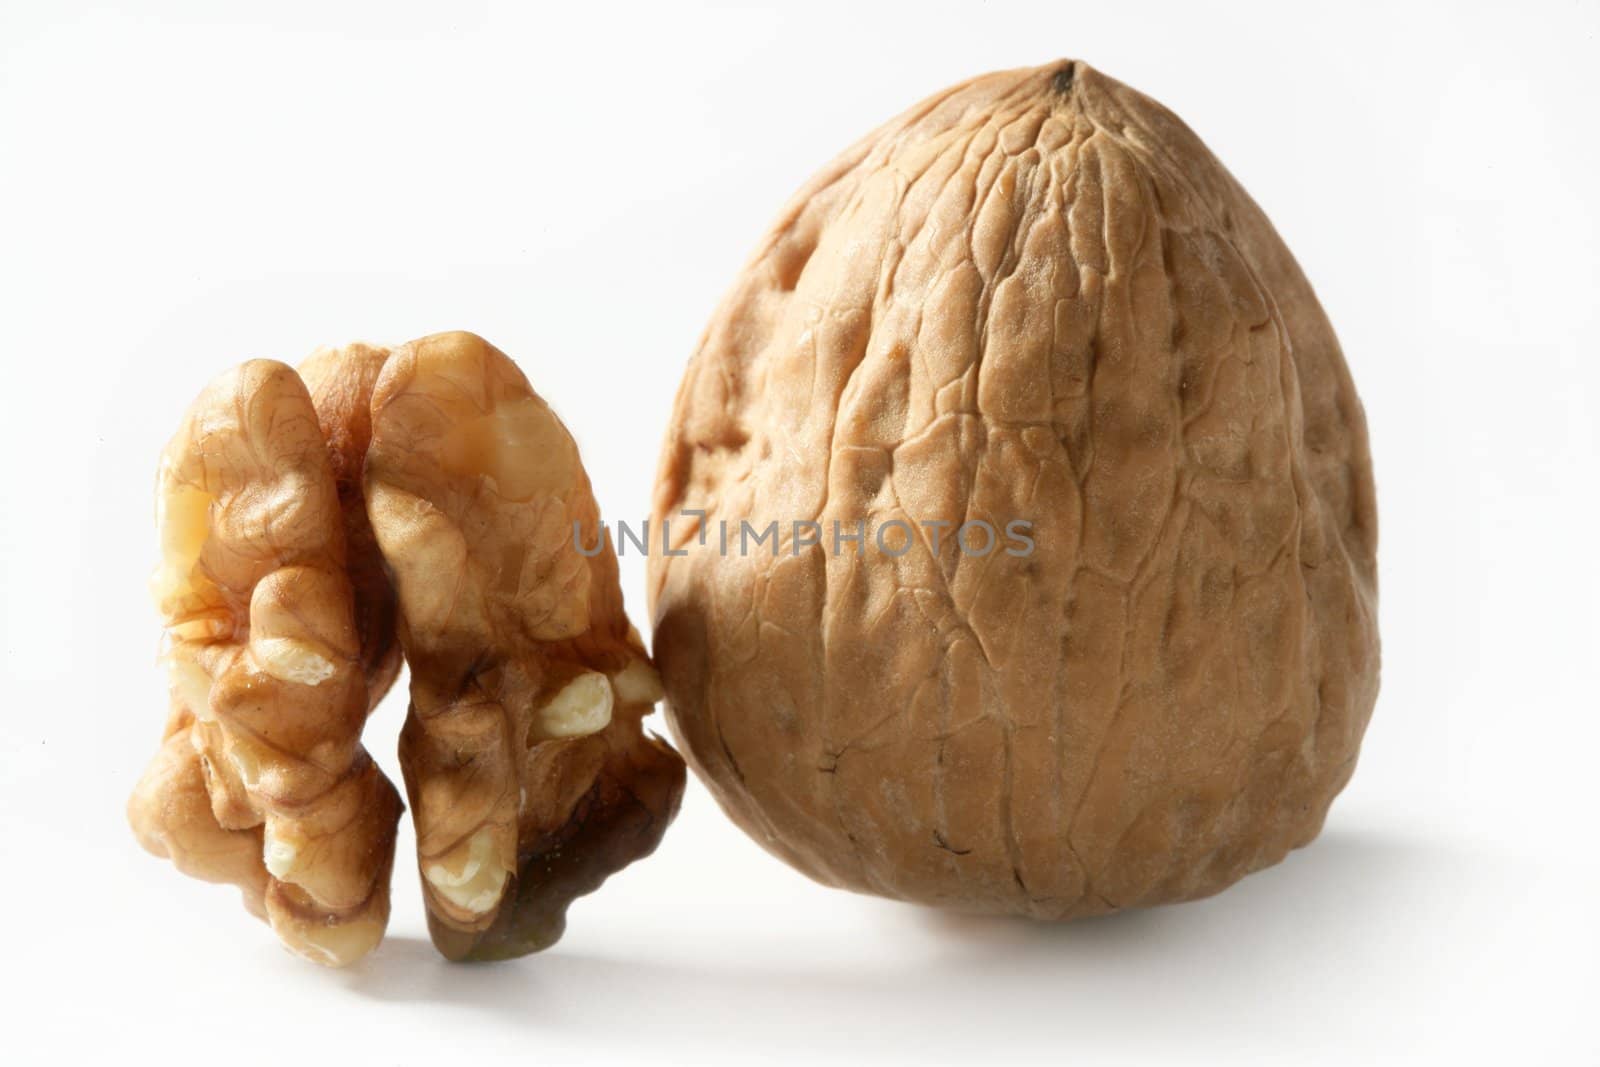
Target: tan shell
1035, 296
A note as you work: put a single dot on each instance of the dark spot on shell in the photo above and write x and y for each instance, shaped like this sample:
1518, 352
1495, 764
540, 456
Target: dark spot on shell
1062, 82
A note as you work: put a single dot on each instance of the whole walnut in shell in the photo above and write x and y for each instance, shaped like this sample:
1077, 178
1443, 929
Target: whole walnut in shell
1035, 297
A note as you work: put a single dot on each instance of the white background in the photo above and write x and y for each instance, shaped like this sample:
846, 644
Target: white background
182, 188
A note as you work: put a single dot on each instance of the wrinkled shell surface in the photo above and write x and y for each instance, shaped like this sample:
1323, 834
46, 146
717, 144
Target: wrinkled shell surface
1034, 296
529, 774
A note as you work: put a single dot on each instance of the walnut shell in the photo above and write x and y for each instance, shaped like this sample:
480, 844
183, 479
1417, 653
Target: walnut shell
1035, 296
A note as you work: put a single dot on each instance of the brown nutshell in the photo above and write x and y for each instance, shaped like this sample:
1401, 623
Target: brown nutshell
1035, 296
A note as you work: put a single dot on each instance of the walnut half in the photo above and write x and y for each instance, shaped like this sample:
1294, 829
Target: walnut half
261, 780
530, 777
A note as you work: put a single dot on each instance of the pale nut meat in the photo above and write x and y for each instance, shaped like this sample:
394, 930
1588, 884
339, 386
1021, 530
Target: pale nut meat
530, 777
1035, 296
261, 780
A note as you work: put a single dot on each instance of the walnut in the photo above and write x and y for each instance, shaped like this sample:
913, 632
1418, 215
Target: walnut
1037, 298
261, 780
423, 500
529, 775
